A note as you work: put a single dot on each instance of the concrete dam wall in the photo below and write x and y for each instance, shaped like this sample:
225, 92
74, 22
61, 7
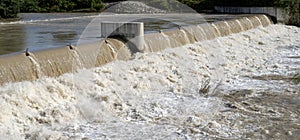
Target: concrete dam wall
122, 40
277, 13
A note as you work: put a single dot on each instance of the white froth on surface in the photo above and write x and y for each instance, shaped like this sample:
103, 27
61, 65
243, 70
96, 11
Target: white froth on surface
153, 96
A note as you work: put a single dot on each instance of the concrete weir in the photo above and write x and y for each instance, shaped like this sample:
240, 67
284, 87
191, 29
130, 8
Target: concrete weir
54, 62
121, 41
207, 31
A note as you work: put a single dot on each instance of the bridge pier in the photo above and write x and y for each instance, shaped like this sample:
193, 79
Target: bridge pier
131, 33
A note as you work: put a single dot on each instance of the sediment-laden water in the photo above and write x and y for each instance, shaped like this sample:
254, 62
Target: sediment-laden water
42, 31
39, 31
242, 86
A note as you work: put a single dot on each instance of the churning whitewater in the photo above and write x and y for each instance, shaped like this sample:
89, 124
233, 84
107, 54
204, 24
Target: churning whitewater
241, 86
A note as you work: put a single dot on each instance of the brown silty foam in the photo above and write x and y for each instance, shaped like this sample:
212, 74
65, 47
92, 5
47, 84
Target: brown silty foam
55, 62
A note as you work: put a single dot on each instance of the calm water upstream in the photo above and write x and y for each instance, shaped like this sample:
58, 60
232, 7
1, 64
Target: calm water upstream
38, 31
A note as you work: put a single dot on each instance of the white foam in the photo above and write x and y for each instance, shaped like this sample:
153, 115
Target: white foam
47, 20
155, 93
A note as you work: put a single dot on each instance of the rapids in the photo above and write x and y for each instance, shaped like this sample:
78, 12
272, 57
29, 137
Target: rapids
240, 86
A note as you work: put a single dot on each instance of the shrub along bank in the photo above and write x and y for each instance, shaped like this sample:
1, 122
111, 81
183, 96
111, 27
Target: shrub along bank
10, 8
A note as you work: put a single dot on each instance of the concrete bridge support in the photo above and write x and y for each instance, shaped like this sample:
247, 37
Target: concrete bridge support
131, 33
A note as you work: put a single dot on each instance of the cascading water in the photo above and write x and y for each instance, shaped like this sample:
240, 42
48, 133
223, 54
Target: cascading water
35, 66
210, 89
252, 26
177, 37
228, 26
76, 62
114, 53
170, 43
217, 31
203, 35
267, 20
52, 65
239, 23
259, 21
187, 39
149, 94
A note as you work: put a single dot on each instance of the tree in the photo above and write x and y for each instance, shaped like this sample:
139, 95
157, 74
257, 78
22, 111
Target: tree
56, 5
199, 5
96, 5
9, 8
29, 6
292, 7
92, 5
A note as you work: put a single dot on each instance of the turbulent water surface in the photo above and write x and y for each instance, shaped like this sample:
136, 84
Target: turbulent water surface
241, 86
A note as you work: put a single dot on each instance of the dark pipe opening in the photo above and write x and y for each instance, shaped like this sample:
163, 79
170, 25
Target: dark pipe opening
273, 18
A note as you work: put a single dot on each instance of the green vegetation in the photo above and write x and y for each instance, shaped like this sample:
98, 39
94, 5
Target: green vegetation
245, 3
200, 5
292, 7
10, 8
61, 5
168, 5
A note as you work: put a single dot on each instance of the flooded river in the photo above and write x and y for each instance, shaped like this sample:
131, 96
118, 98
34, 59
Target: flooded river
242, 86
39, 31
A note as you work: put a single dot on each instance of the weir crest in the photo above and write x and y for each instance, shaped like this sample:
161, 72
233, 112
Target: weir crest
54, 62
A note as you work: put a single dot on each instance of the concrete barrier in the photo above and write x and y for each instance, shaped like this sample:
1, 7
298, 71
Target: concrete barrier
278, 13
130, 32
